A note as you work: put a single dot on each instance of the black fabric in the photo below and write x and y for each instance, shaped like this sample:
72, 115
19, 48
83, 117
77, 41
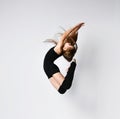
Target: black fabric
69, 77
61, 90
49, 67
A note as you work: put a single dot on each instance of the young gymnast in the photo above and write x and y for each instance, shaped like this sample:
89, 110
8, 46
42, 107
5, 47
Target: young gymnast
67, 48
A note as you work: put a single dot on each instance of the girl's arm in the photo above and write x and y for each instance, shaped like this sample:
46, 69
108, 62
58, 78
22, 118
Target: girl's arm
58, 48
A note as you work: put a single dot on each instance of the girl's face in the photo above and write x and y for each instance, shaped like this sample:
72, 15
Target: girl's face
67, 47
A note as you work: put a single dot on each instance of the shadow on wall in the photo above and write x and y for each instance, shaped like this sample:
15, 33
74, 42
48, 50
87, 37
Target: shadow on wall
84, 88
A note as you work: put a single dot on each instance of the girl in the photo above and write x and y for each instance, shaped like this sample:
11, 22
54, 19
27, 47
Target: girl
67, 48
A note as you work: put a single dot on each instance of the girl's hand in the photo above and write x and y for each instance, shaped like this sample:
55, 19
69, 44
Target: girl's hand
76, 28
71, 31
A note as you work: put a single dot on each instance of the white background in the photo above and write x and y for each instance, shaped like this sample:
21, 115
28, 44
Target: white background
25, 91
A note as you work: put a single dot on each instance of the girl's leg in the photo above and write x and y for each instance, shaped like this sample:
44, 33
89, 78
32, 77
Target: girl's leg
62, 83
59, 77
55, 83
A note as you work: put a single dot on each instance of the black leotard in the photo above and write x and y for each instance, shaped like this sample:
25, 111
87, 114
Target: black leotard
49, 67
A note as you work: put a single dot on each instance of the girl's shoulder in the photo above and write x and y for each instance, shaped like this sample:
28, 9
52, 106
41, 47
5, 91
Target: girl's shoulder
58, 49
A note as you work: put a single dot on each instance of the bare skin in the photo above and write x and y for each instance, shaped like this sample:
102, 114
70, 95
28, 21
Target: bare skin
57, 78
